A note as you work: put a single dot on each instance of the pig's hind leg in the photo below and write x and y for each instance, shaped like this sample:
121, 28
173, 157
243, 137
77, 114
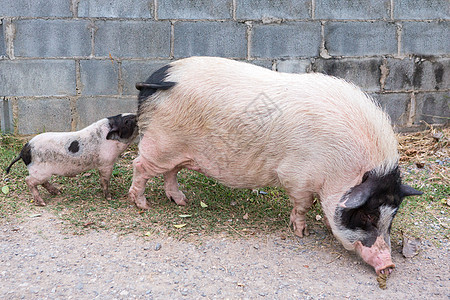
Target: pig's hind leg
171, 187
32, 183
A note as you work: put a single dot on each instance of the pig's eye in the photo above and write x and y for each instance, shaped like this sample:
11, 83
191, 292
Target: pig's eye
368, 218
359, 218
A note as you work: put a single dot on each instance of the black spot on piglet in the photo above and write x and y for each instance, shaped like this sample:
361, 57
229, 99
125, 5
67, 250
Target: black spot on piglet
74, 147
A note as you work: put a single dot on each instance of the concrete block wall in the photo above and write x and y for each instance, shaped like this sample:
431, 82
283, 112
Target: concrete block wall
67, 63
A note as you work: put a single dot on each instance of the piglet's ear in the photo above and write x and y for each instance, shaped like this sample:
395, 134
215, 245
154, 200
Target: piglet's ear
358, 195
114, 133
406, 190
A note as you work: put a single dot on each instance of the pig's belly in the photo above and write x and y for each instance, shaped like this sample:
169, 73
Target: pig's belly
68, 169
235, 174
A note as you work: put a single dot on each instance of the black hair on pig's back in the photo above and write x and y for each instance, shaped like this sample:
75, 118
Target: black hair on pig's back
155, 82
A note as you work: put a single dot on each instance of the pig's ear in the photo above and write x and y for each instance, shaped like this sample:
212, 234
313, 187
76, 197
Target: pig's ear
406, 190
114, 133
359, 194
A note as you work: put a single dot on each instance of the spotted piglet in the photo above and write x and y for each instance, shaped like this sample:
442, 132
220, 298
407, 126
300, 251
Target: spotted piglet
69, 153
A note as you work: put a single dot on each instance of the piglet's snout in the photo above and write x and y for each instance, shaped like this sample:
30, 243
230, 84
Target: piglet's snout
378, 255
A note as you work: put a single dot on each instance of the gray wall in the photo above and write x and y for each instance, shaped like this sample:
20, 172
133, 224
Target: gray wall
67, 63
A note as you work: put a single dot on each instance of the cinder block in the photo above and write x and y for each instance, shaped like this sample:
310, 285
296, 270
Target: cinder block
37, 77
194, 10
293, 66
2, 40
425, 38
365, 73
99, 77
138, 39
43, 115
433, 74
52, 38
281, 9
350, 9
33, 8
115, 9
421, 9
401, 74
6, 116
433, 108
395, 105
92, 109
137, 71
360, 38
420, 74
293, 39
226, 39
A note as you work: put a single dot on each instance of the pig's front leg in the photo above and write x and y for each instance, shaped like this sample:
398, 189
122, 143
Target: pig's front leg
51, 188
105, 176
141, 174
171, 187
32, 183
302, 203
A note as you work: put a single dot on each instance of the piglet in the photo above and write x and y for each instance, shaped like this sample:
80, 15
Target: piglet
69, 153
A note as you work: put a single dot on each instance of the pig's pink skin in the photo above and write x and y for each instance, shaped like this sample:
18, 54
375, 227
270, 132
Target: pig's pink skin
378, 256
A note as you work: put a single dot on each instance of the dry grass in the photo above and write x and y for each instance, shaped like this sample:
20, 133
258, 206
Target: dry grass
425, 162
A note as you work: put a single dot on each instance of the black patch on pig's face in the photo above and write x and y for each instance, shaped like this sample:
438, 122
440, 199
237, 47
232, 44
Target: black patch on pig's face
25, 154
122, 127
373, 217
155, 82
74, 147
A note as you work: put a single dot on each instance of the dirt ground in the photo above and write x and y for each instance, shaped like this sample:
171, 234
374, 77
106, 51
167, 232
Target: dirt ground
38, 260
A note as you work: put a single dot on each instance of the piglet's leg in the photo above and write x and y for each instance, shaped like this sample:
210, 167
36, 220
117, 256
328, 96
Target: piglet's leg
141, 174
171, 187
302, 203
32, 183
51, 188
105, 176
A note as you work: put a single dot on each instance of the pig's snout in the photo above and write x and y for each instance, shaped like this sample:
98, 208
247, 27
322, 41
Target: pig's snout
378, 255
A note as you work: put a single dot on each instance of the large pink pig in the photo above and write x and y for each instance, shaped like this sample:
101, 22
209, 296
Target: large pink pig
251, 127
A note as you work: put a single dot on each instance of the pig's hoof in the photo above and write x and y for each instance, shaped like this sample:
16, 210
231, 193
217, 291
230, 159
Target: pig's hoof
300, 228
179, 198
142, 203
40, 203
181, 202
298, 223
